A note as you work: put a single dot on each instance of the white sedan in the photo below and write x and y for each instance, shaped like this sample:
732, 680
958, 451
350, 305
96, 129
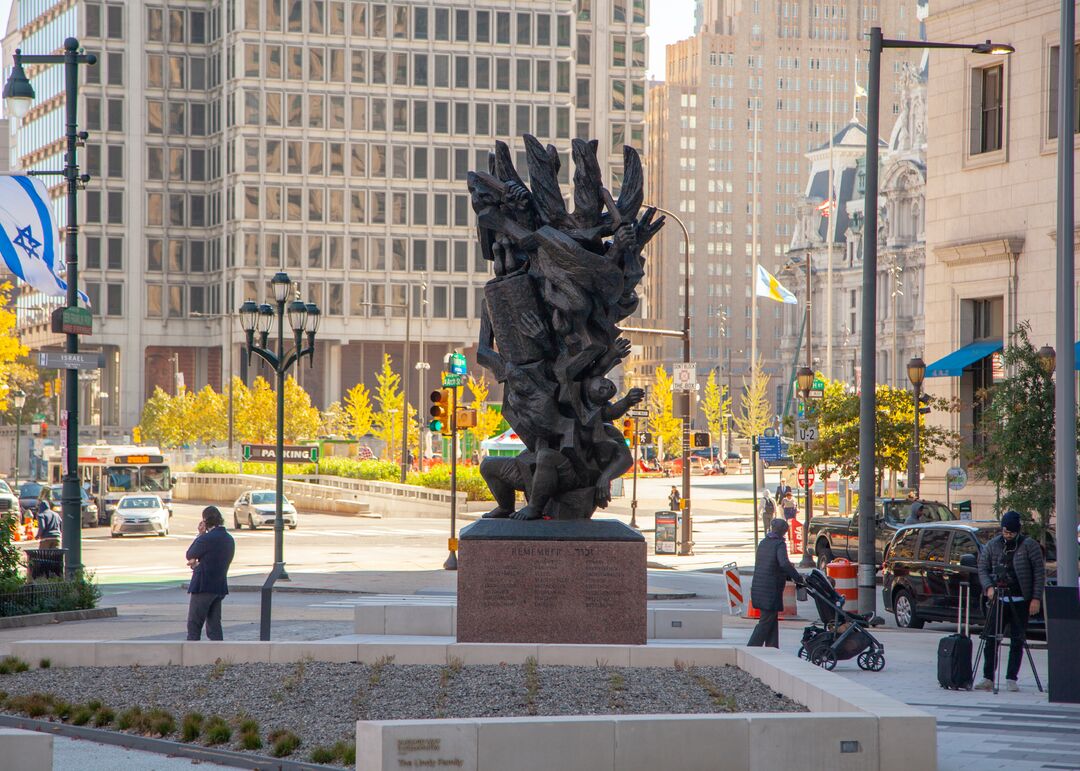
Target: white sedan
259, 507
140, 514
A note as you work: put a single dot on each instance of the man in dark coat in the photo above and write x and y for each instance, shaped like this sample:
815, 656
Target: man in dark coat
1012, 570
209, 558
772, 569
49, 527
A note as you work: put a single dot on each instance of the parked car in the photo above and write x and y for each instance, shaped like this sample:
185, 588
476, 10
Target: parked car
925, 566
140, 514
54, 494
29, 494
832, 537
8, 500
256, 507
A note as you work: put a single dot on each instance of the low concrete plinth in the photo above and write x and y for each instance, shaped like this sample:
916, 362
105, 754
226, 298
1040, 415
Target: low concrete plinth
25, 750
575, 581
439, 619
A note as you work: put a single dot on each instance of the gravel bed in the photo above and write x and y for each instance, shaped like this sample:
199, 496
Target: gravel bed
321, 702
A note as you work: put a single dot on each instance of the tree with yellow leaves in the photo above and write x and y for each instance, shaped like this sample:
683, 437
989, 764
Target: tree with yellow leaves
11, 348
334, 421
208, 416
662, 422
487, 418
756, 412
390, 400
358, 411
716, 406
301, 418
255, 413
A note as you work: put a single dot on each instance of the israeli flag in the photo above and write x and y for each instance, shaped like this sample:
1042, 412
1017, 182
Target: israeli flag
29, 239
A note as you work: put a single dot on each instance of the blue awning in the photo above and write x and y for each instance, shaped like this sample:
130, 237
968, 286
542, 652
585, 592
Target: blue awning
1076, 356
954, 364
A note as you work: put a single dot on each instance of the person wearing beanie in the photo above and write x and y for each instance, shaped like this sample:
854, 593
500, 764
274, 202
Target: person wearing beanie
209, 557
1013, 571
772, 569
49, 525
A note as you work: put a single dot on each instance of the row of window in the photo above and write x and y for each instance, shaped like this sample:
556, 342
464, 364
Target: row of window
419, 116
312, 204
379, 21
319, 252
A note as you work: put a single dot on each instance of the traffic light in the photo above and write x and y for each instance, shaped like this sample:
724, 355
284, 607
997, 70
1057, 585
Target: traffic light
136, 435
628, 429
440, 410
44, 429
57, 384
48, 390
924, 404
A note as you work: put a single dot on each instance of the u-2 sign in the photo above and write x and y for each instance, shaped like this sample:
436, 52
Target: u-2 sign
806, 432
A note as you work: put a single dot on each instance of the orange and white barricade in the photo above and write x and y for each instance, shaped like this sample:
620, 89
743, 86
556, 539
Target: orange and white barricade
844, 574
733, 590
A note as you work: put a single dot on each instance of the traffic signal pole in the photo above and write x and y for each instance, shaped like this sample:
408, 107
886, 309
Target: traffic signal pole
451, 561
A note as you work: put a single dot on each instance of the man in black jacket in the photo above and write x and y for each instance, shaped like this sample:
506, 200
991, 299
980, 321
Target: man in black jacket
1011, 569
209, 558
772, 569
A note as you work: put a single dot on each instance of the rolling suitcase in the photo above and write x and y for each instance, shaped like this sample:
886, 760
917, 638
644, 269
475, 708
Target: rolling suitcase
954, 651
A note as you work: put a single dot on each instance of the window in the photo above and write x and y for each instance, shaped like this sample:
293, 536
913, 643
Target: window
963, 544
114, 302
114, 19
115, 63
153, 300
1052, 113
987, 109
934, 545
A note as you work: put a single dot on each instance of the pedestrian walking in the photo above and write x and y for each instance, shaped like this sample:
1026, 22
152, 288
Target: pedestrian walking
782, 489
790, 508
49, 527
772, 569
673, 499
209, 557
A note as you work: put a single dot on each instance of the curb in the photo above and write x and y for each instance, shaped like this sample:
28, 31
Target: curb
57, 617
196, 752
287, 589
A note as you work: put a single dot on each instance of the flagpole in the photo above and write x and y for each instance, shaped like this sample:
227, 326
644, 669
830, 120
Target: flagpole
754, 260
831, 211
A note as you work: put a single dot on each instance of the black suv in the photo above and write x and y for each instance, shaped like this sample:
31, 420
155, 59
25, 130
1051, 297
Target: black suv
925, 566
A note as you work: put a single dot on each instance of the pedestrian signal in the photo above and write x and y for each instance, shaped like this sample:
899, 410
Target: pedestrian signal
440, 410
699, 440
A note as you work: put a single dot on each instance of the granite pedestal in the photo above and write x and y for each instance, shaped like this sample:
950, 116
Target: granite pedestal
573, 581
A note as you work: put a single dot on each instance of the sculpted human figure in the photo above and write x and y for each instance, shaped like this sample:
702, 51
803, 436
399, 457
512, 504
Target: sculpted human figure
549, 327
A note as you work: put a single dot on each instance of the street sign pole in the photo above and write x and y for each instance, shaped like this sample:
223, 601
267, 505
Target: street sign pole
633, 487
451, 561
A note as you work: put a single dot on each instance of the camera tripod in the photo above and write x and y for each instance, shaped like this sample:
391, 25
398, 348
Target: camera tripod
993, 632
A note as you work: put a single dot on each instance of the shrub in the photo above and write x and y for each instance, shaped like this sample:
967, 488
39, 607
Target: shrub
191, 726
48, 595
159, 722
45, 663
346, 752
217, 731
323, 755
104, 717
285, 743
247, 725
131, 717
250, 740
469, 481
32, 705
216, 466
81, 715
62, 709
10, 664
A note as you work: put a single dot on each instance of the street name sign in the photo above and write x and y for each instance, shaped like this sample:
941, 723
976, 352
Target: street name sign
637, 413
62, 360
453, 380
267, 453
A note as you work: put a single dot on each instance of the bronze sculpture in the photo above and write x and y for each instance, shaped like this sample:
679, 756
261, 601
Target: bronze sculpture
549, 328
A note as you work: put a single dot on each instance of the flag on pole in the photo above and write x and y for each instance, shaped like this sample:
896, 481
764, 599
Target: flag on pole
859, 90
29, 240
825, 208
768, 286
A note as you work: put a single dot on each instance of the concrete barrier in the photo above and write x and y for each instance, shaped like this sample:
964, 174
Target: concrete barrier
438, 618
25, 750
334, 495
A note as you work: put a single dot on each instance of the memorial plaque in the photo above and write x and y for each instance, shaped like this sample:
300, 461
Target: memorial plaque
551, 582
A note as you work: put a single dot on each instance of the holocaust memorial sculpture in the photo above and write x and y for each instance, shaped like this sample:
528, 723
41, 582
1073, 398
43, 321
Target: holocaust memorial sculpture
549, 333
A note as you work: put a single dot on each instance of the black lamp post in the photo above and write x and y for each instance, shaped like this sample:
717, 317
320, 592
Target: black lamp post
302, 318
19, 95
868, 352
18, 400
916, 372
805, 376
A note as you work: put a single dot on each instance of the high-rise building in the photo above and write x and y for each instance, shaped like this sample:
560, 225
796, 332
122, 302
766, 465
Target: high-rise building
231, 140
753, 69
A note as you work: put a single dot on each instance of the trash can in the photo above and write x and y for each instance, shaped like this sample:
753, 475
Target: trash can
44, 563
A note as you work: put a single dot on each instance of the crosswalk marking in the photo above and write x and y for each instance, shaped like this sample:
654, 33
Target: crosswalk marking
388, 599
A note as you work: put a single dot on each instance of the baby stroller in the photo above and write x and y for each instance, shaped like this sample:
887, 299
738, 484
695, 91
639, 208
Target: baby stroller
840, 635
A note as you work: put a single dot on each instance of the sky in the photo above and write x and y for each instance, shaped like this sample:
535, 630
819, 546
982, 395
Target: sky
671, 20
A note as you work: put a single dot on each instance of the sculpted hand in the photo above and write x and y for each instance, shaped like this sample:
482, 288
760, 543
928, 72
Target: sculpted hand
646, 228
635, 395
625, 238
602, 496
622, 348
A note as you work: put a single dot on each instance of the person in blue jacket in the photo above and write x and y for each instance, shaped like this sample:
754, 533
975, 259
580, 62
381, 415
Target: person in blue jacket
209, 557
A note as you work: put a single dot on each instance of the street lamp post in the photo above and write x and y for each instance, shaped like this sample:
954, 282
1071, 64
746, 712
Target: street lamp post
19, 95
103, 399
916, 372
806, 382
302, 317
18, 400
868, 384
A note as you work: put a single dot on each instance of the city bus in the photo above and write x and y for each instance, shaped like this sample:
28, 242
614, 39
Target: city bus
110, 472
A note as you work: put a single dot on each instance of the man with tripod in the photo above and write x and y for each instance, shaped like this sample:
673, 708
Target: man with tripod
1012, 573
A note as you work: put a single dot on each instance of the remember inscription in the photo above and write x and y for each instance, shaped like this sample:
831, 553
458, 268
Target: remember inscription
545, 591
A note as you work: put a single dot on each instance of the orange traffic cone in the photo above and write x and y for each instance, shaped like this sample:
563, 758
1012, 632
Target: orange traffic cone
16, 533
28, 532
